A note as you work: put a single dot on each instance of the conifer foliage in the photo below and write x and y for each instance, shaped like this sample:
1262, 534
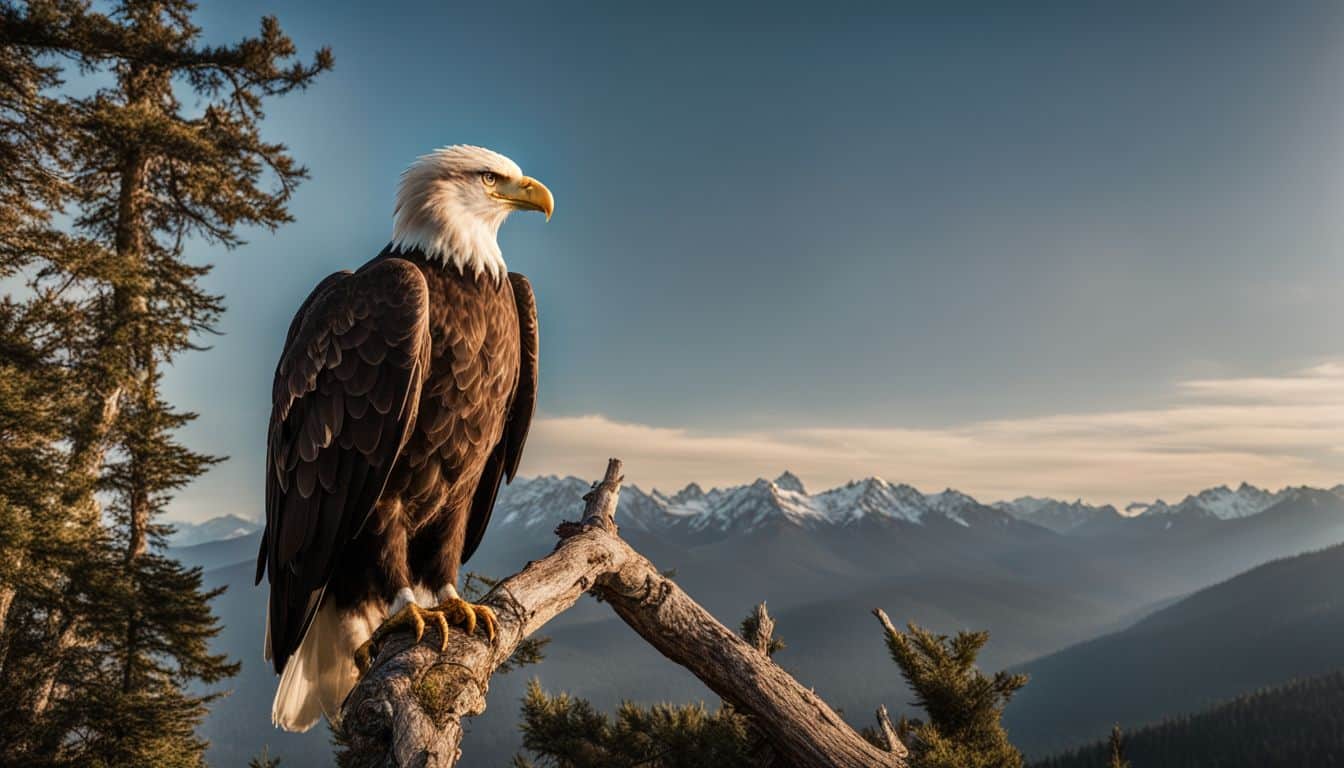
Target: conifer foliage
101, 632
1117, 749
563, 731
964, 706
264, 760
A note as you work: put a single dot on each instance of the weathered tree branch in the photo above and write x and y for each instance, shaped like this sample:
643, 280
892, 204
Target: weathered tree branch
408, 709
889, 732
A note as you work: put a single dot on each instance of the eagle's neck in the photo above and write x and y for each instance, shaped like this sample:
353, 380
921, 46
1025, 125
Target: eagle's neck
452, 234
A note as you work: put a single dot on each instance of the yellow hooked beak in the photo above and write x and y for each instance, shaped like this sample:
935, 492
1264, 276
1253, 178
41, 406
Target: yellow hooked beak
526, 194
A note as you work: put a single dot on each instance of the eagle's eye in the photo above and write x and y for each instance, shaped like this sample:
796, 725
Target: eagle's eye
488, 178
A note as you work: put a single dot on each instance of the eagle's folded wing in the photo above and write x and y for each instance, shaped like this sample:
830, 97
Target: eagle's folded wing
343, 403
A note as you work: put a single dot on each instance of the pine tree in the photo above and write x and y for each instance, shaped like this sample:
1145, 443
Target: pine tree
38, 546
116, 632
38, 332
264, 760
32, 188
29, 193
964, 707
148, 175
1117, 749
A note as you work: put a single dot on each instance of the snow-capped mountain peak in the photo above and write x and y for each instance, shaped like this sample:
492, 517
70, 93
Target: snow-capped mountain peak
533, 501
1220, 502
215, 529
692, 493
952, 504
790, 482
951, 500
749, 506
873, 497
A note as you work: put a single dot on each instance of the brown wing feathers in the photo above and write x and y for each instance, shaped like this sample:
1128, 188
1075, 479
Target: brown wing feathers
344, 399
525, 399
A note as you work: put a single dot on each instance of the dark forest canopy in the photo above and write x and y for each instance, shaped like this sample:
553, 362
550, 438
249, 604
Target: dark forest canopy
1298, 724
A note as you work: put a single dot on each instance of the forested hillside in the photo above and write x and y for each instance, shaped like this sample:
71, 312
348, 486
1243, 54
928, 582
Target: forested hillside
1281, 621
1293, 725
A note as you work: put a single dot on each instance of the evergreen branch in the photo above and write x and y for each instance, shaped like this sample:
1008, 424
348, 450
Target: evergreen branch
71, 29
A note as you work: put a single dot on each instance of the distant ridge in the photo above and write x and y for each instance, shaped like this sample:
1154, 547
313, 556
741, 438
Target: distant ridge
1058, 516
1276, 622
1221, 502
215, 529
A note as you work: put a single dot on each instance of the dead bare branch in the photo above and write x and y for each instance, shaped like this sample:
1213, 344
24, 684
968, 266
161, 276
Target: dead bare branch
408, 709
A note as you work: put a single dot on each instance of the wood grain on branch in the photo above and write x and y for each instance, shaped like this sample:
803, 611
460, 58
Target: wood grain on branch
408, 709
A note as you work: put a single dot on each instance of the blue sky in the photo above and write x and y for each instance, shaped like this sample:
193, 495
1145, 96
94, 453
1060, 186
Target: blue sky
1074, 249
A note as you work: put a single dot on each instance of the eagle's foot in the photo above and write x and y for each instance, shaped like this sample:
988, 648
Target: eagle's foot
412, 617
468, 615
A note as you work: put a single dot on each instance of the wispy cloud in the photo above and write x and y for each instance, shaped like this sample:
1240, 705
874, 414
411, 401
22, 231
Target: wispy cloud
1272, 431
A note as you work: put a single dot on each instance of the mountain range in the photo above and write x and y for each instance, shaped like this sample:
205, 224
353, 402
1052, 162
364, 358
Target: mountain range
530, 501
1041, 577
744, 508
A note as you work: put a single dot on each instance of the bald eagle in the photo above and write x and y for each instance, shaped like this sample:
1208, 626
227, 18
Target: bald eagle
401, 401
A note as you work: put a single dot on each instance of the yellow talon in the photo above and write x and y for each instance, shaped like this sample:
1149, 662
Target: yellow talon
454, 611
468, 615
487, 617
411, 617
443, 630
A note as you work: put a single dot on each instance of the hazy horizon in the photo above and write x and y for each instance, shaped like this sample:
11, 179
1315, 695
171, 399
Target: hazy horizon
813, 489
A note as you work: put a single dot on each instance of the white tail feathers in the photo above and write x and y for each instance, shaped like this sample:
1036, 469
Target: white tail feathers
322, 671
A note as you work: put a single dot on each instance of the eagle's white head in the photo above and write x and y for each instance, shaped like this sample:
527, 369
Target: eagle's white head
452, 201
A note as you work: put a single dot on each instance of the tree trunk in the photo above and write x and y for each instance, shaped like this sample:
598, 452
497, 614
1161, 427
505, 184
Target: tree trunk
7, 594
88, 449
118, 363
132, 306
137, 541
407, 709
110, 370
44, 691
